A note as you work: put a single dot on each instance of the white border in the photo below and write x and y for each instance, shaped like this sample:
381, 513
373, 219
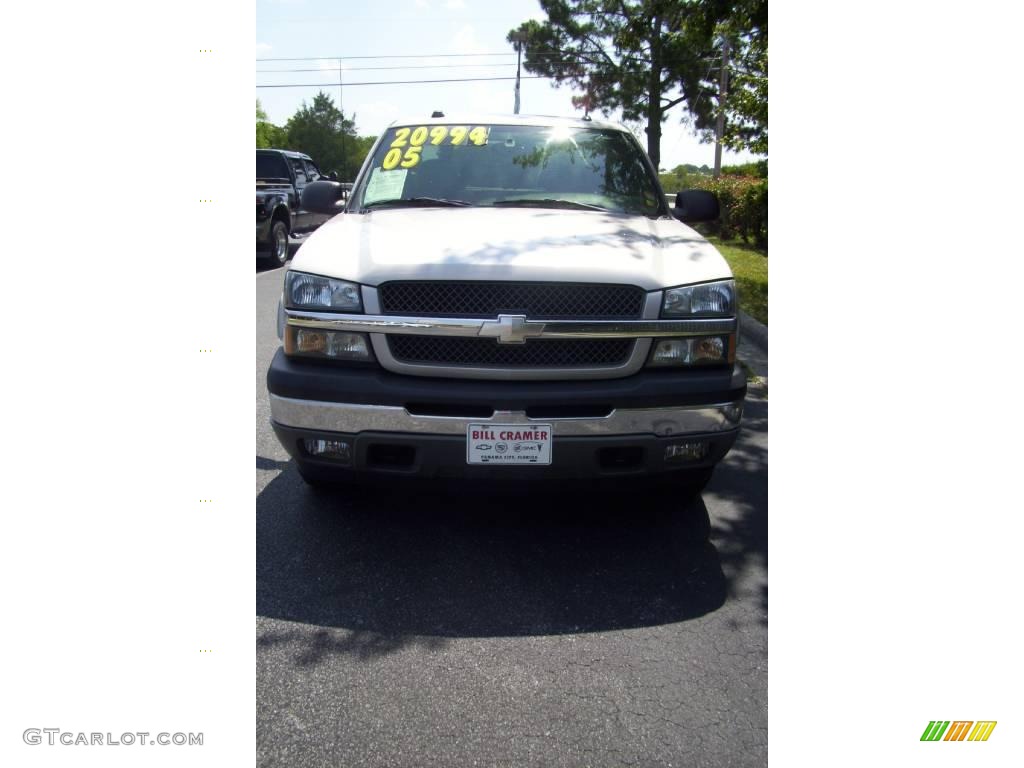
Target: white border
115, 575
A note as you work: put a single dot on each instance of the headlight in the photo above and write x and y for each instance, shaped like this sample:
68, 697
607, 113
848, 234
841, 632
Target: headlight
698, 350
327, 345
706, 300
303, 291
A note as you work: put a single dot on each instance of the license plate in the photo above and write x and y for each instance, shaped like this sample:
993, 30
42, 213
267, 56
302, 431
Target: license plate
508, 445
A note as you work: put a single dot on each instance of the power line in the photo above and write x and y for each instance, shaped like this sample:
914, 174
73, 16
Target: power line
536, 54
393, 56
403, 66
399, 82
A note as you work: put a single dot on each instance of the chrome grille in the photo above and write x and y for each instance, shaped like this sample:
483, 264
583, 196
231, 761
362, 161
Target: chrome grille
538, 301
487, 353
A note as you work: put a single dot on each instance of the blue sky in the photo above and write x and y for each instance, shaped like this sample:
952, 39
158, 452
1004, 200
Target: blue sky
304, 28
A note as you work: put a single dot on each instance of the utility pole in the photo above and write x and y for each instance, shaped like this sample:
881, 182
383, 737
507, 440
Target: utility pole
723, 86
519, 39
341, 108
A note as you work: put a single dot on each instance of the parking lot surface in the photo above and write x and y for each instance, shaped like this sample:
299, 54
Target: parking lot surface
464, 626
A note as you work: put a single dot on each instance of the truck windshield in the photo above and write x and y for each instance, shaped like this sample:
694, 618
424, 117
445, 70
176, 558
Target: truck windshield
510, 166
270, 165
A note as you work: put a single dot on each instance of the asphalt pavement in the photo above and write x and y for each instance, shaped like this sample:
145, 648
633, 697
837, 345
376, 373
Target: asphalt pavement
467, 627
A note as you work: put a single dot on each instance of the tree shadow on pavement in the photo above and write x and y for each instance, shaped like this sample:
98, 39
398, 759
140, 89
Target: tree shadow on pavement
264, 463
742, 480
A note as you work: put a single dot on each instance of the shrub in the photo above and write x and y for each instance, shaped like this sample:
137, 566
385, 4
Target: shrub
758, 168
744, 205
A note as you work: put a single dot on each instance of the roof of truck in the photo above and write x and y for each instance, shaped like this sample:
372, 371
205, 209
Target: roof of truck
288, 153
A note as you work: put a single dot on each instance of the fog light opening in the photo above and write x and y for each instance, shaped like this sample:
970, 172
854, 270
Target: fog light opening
689, 451
390, 455
336, 450
620, 457
733, 412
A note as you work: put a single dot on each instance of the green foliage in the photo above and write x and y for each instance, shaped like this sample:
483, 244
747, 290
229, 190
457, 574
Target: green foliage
746, 103
270, 136
750, 268
757, 169
744, 206
322, 132
623, 55
646, 56
356, 151
681, 177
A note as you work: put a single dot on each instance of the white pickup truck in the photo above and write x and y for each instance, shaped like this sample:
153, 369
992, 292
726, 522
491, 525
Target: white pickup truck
507, 297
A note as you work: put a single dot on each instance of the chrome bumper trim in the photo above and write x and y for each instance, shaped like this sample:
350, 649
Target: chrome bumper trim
543, 329
353, 418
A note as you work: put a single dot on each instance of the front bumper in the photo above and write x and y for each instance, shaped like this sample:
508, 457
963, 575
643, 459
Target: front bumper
438, 455
416, 426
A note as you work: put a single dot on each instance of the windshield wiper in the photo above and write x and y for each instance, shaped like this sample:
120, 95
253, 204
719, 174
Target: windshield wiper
416, 201
548, 202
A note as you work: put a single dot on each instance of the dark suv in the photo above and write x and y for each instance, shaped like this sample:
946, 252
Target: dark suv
281, 175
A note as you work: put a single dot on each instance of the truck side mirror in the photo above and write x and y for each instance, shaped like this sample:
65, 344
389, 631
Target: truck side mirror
693, 205
322, 197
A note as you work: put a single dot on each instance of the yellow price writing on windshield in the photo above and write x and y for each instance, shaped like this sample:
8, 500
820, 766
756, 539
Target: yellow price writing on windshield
477, 136
408, 142
419, 136
456, 134
396, 157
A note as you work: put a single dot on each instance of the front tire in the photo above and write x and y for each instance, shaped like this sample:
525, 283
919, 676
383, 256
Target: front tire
279, 243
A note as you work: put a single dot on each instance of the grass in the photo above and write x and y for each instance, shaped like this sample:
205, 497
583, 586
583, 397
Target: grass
752, 378
750, 267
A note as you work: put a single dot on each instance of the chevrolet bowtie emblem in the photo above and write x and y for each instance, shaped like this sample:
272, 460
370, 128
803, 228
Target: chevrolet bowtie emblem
511, 329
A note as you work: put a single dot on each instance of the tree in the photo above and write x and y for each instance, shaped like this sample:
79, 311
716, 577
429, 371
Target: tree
322, 132
355, 154
746, 105
267, 134
641, 56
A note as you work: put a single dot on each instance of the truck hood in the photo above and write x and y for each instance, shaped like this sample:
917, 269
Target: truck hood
509, 244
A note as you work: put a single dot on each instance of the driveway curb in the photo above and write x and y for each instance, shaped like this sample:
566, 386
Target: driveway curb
753, 330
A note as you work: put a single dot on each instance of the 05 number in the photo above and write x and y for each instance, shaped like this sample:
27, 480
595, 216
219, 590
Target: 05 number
407, 159
411, 156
